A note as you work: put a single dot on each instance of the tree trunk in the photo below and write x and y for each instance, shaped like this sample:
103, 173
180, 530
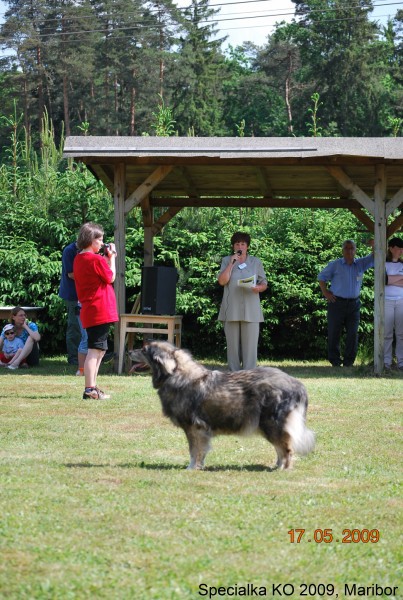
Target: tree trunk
116, 106
162, 66
41, 105
287, 94
133, 110
66, 104
26, 110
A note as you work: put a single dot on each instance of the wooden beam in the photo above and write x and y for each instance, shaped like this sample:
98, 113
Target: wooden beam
395, 226
348, 184
147, 212
379, 269
148, 247
263, 182
394, 202
105, 174
255, 202
364, 218
190, 185
120, 234
236, 160
119, 184
164, 219
146, 187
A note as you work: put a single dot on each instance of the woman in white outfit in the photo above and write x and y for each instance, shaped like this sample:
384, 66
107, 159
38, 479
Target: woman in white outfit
394, 303
243, 279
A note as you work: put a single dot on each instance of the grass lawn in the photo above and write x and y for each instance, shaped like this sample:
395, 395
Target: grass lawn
95, 501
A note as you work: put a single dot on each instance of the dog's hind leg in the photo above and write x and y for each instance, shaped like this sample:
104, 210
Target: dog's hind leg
199, 445
284, 452
281, 441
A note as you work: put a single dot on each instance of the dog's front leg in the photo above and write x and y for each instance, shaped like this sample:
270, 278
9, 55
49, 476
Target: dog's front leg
199, 445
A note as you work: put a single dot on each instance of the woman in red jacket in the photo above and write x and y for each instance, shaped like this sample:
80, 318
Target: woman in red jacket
93, 276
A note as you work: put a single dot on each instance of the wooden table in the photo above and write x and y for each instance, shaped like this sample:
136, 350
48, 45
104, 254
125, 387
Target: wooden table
31, 311
130, 323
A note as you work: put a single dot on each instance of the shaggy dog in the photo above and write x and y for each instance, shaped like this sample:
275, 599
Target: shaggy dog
206, 403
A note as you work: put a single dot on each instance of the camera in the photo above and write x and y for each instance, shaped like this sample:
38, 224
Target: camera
105, 249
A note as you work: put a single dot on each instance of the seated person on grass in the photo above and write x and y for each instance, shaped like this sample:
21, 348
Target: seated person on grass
30, 336
12, 346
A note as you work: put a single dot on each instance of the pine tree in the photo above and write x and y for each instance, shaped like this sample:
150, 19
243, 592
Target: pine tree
196, 79
71, 48
22, 31
250, 95
340, 61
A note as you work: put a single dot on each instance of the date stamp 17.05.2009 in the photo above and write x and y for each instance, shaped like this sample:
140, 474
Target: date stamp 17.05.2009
327, 536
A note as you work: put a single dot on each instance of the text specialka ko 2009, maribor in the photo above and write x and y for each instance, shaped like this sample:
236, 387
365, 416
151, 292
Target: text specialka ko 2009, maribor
308, 590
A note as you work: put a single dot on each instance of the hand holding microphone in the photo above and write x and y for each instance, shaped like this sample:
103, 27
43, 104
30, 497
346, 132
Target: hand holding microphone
237, 253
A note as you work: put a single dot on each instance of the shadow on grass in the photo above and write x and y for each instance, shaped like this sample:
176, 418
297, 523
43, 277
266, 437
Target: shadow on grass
215, 468
324, 372
252, 468
169, 467
55, 367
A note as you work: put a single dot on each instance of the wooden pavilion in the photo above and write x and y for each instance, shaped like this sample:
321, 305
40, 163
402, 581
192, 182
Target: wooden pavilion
363, 175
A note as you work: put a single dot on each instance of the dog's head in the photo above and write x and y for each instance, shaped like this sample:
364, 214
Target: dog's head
160, 357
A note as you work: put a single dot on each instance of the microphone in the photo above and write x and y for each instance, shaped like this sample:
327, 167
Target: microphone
239, 252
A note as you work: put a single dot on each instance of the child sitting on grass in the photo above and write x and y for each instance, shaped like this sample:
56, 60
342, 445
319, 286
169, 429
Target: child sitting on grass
12, 347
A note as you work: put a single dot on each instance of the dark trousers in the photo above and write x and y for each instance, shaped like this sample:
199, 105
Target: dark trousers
33, 358
73, 332
344, 313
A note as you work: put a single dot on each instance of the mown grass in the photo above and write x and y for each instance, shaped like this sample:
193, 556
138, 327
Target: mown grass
95, 501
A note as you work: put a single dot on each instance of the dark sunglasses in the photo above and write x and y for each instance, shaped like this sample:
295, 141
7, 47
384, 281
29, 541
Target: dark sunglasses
9, 332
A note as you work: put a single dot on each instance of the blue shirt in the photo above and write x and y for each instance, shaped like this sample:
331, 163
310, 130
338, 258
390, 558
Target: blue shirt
346, 280
67, 289
12, 346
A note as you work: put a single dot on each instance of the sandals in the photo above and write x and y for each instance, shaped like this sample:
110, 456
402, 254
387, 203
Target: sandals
94, 393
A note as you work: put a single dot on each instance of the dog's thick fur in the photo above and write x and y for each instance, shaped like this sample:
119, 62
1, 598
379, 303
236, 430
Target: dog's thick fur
205, 403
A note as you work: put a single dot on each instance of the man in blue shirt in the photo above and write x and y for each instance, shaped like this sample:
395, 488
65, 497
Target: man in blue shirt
67, 291
343, 308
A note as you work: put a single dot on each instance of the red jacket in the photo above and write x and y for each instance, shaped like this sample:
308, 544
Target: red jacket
93, 276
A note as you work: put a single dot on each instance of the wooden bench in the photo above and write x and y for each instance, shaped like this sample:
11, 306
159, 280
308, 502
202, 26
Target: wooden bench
169, 325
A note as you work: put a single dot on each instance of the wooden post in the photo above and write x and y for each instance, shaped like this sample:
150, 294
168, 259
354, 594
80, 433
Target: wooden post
148, 247
148, 250
120, 242
379, 270
148, 222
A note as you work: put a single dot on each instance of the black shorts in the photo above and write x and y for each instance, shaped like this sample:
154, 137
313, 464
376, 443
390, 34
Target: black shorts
98, 336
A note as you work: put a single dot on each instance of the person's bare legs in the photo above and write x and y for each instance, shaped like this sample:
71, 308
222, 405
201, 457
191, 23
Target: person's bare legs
91, 366
81, 362
27, 349
15, 357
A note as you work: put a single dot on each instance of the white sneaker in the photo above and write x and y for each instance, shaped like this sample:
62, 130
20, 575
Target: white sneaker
12, 367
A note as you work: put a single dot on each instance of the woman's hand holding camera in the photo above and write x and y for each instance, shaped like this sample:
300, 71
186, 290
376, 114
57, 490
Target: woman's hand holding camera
110, 250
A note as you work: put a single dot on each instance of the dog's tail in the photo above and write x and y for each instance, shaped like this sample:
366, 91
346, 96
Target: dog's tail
302, 438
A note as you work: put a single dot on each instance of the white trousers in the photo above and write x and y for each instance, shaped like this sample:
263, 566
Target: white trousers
393, 323
242, 338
